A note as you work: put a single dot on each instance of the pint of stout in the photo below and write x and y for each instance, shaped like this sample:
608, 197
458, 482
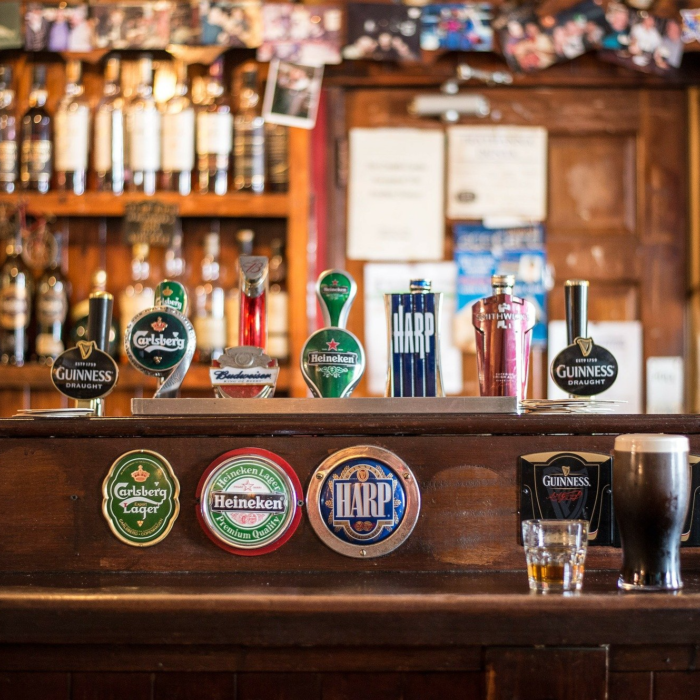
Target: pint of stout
651, 491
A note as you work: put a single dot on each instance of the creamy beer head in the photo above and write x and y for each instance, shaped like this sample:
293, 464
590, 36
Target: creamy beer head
651, 442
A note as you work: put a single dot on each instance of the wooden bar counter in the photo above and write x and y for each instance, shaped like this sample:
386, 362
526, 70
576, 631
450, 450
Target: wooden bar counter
446, 615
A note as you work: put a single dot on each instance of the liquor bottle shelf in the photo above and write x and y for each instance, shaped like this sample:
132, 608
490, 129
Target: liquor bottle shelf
235, 204
38, 377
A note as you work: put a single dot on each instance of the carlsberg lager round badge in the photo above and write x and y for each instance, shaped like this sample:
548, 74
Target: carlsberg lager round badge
141, 498
157, 340
249, 501
363, 501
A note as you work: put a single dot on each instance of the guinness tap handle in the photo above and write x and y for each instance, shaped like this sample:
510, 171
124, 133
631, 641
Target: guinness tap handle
100, 319
576, 297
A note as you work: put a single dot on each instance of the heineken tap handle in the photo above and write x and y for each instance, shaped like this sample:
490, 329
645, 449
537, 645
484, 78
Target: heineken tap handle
576, 298
336, 290
100, 319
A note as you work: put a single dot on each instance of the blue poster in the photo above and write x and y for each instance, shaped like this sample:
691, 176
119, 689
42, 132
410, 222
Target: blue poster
481, 252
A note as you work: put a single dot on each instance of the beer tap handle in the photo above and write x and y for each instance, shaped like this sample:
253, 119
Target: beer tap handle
576, 297
100, 319
336, 290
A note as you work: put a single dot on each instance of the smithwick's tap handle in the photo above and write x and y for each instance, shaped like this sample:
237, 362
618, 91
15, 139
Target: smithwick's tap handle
100, 319
576, 298
336, 290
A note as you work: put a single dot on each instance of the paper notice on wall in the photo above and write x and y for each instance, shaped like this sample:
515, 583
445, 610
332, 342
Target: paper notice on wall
497, 171
383, 278
396, 205
665, 385
624, 340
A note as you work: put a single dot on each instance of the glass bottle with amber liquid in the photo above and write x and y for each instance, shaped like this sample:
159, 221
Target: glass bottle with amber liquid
277, 158
139, 295
214, 134
16, 293
248, 132
8, 132
278, 305
36, 148
110, 133
209, 304
72, 133
52, 293
178, 136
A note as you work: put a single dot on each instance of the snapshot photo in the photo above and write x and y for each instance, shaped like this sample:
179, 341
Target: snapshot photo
691, 25
58, 27
576, 30
464, 27
307, 34
184, 26
225, 23
292, 94
383, 32
525, 45
141, 25
10, 26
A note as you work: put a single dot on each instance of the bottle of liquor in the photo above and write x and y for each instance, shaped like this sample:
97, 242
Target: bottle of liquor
144, 127
277, 158
174, 264
178, 136
36, 168
245, 239
110, 133
249, 132
214, 134
16, 293
278, 305
8, 132
52, 295
72, 131
209, 305
139, 295
79, 315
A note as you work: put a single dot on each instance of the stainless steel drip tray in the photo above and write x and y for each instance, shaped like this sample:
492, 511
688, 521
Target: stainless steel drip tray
413, 406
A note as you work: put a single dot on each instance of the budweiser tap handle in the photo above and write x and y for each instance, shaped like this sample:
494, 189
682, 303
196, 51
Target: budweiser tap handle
576, 297
100, 319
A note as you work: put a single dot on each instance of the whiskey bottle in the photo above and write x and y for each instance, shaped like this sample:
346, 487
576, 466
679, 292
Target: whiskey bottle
278, 305
209, 307
52, 306
79, 315
277, 158
8, 132
178, 137
16, 292
244, 239
72, 133
139, 295
36, 168
214, 134
110, 133
249, 132
144, 127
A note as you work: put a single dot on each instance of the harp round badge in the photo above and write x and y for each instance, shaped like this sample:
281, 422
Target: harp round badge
249, 501
141, 498
363, 501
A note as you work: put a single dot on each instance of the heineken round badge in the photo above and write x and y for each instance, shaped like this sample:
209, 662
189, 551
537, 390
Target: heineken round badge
249, 501
141, 498
332, 362
363, 501
157, 340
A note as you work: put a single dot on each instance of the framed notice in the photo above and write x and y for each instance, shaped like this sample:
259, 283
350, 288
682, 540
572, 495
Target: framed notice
396, 200
497, 172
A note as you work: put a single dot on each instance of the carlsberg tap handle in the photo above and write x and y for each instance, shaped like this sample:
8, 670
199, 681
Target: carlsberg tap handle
576, 298
336, 290
100, 319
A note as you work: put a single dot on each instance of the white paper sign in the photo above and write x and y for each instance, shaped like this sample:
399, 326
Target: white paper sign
664, 385
381, 279
624, 340
396, 194
497, 171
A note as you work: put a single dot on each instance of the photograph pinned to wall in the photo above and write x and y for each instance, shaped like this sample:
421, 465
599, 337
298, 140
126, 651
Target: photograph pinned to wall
576, 30
383, 32
462, 27
225, 23
135, 25
617, 35
292, 94
10, 26
691, 25
525, 45
58, 27
184, 25
654, 45
307, 34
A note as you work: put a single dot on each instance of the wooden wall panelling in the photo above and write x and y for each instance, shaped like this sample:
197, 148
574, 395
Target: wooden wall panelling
195, 686
631, 686
673, 686
278, 686
111, 686
32, 686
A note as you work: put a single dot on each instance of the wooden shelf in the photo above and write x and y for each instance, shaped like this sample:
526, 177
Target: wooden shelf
238, 204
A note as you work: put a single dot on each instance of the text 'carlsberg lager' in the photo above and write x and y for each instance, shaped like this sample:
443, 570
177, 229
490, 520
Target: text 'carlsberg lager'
414, 346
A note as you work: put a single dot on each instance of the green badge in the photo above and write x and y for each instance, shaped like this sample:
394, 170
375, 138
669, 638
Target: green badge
249, 501
157, 340
336, 290
141, 498
172, 294
332, 362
